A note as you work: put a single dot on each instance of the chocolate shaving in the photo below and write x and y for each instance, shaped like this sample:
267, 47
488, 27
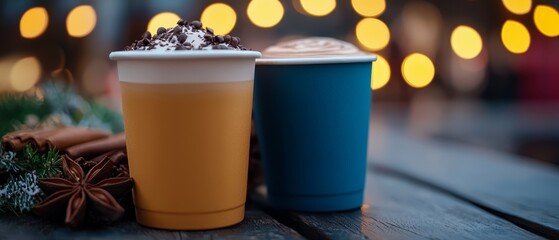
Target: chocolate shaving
196, 24
175, 38
160, 31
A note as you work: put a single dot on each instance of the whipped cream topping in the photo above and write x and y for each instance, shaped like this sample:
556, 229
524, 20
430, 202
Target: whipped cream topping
312, 47
185, 36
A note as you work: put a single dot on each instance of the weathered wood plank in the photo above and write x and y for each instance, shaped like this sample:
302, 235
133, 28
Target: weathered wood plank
524, 192
257, 225
397, 209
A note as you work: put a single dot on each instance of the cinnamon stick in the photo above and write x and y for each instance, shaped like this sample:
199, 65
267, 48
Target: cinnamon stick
43, 139
71, 136
97, 147
16, 141
118, 156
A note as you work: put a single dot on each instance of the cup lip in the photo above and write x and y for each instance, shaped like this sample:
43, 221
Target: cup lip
187, 54
316, 60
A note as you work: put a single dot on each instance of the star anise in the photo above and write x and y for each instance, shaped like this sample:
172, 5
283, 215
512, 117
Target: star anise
81, 198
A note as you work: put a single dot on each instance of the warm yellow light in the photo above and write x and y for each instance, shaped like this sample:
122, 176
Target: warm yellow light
81, 21
265, 13
546, 19
515, 37
372, 33
318, 7
220, 17
518, 6
34, 22
369, 8
466, 42
5, 68
164, 19
381, 73
418, 70
25, 73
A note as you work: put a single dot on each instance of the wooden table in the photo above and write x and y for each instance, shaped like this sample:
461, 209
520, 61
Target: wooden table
417, 188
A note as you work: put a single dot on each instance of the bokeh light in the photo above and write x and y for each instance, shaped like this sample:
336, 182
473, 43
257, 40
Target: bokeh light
265, 13
546, 19
372, 33
369, 8
518, 6
418, 70
81, 21
466, 42
164, 19
318, 8
381, 73
420, 28
5, 68
90, 77
25, 73
466, 76
64, 74
220, 17
515, 37
33, 22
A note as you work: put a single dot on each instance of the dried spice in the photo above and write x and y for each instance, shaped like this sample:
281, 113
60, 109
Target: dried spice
80, 198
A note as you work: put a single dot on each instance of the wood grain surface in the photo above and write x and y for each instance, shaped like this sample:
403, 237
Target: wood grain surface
397, 209
521, 191
257, 225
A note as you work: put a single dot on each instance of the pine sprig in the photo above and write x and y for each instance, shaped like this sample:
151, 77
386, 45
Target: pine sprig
16, 108
20, 193
19, 190
8, 162
44, 164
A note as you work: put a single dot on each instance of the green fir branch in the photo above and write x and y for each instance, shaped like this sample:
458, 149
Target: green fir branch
15, 108
44, 164
9, 163
20, 193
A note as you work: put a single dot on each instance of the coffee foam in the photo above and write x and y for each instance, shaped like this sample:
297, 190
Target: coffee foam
313, 47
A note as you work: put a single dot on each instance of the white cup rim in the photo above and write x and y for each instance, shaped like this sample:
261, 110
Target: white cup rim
186, 54
316, 60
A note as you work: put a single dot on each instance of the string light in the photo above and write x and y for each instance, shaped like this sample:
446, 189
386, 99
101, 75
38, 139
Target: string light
318, 8
81, 21
164, 19
372, 33
546, 19
265, 13
33, 22
518, 7
381, 73
220, 17
418, 70
515, 37
25, 73
369, 8
466, 42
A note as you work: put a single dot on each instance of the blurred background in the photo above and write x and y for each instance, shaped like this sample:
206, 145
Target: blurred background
473, 71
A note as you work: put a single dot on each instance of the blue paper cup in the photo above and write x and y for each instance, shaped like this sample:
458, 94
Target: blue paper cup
312, 117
